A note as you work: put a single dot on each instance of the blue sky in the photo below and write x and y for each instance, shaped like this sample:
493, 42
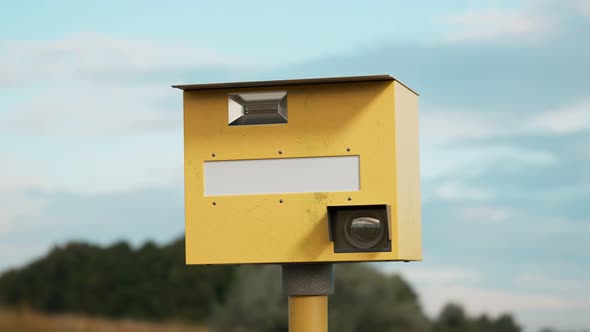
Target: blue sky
91, 132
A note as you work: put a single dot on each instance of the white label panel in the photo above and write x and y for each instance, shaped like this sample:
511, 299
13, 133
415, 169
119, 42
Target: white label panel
277, 176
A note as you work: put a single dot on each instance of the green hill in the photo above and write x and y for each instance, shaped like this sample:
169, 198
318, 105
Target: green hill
153, 283
150, 282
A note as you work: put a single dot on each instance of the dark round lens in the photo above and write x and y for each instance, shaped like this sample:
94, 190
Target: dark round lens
364, 232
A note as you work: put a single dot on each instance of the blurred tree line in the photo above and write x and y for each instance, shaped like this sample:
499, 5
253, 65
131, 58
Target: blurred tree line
152, 283
365, 300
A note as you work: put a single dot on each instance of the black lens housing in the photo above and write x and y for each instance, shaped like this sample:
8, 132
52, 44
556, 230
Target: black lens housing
339, 223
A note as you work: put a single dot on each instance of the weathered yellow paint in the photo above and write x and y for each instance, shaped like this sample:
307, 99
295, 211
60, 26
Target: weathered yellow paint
376, 120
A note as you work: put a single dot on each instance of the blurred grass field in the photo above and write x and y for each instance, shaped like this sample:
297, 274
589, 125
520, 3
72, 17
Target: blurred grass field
31, 321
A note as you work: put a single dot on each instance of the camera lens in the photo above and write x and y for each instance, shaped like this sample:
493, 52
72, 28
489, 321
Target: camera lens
364, 232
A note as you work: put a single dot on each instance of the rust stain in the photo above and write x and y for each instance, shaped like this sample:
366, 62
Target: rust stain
320, 196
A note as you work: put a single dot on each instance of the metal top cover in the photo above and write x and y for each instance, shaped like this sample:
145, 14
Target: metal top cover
324, 80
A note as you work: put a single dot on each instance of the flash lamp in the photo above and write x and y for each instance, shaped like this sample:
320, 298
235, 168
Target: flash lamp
256, 108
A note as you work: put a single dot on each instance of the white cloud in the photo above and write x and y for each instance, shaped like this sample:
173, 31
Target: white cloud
18, 209
13, 255
82, 134
563, 121
440, 285
562, 226
442, 127
92, 165
439, 161
99, 109
429, 276
584, 7
580, 6
449, 148
484, 213
85, 136
444, 134
497, 24
83, 86
535, 20
16, 175
88, 55
456, 191
546, 282
447, 127
494, 301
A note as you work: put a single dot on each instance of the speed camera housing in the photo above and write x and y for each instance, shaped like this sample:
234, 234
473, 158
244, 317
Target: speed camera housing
301, 171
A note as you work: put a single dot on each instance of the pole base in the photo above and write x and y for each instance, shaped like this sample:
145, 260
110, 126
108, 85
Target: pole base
308, 279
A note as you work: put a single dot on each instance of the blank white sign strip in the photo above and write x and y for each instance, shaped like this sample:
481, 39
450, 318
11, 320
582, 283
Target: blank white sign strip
277, 176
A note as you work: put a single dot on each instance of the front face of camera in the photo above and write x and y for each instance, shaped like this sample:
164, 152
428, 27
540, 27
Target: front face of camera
360, 228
